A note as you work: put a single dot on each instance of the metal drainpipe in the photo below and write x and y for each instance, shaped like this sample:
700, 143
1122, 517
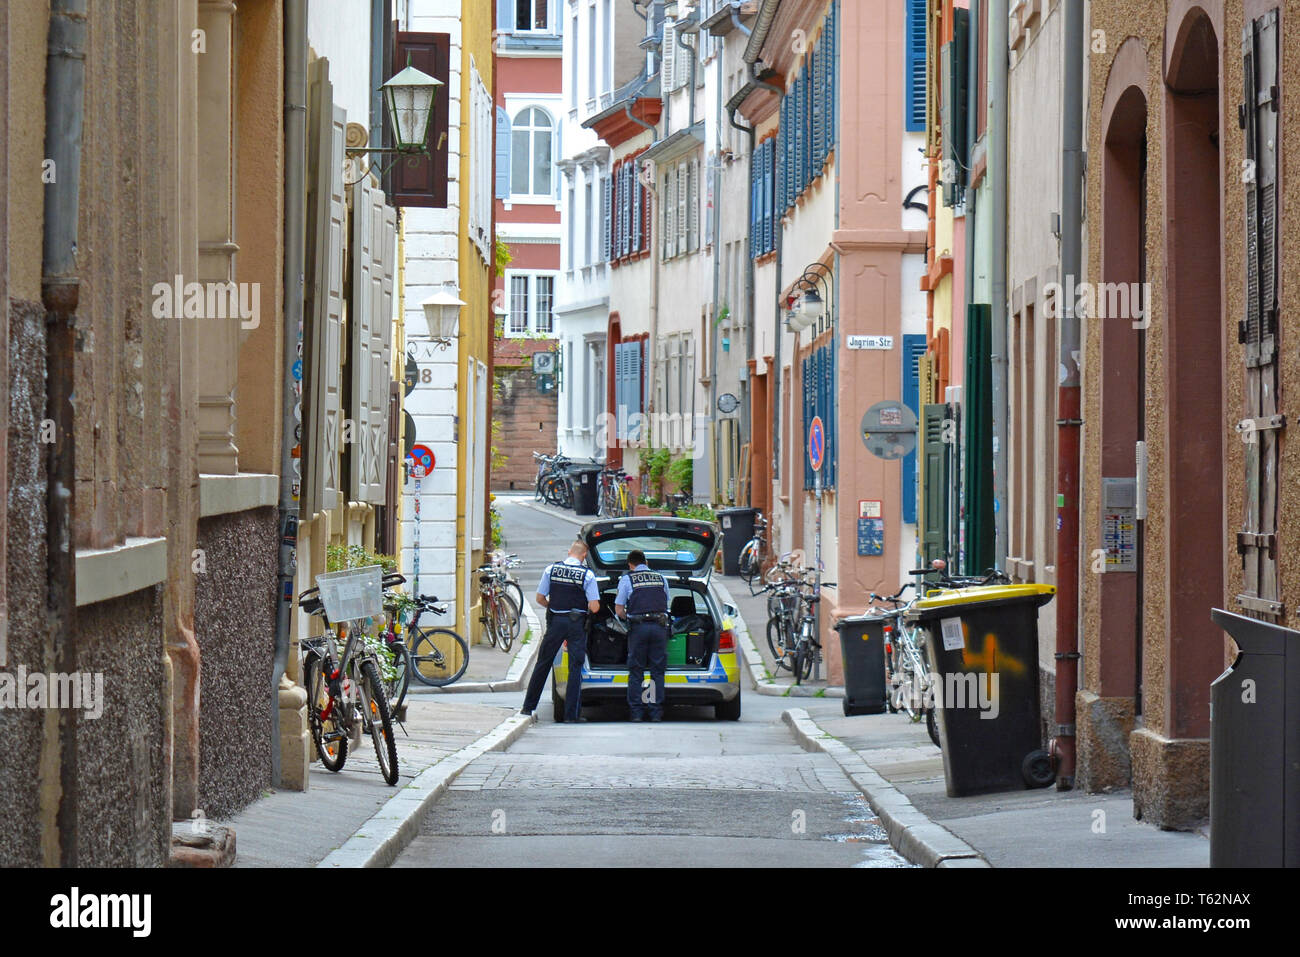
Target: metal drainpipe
716, 174
1068, 401
746, 425
654, 258
295, 226
65, 80
997, 168
694, 59
775, 387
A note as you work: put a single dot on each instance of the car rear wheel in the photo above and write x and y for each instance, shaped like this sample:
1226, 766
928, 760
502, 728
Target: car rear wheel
727, 710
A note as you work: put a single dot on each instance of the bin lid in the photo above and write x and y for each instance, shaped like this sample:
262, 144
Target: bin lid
954, 599
868, 616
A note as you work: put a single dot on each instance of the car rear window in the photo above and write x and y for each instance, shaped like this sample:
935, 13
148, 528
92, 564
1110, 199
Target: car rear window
659, 550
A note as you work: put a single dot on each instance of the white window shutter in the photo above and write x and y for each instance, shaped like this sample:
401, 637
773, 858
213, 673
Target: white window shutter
333, 318
693, 203
683, 206
374, 251
668, 57
670, 213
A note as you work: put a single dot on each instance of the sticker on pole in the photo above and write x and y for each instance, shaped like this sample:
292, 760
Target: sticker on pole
816, 444
421, 459
952, 637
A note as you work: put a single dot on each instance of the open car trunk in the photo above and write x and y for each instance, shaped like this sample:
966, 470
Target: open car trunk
692, 633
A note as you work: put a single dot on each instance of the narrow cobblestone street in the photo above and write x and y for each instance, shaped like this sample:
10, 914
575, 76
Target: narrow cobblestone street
688, 792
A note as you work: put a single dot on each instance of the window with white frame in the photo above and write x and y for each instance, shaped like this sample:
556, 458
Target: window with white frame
592, 224
482, 116
532, 153
533, 16
530, 304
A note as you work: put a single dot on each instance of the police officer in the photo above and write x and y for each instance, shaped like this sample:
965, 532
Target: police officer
569, 594
643, 598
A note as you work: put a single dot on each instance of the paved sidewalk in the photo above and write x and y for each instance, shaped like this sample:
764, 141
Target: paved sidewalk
1038, 828
299, 829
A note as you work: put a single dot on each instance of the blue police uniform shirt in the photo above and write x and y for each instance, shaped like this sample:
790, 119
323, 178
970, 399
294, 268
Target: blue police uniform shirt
570, 580
626, 583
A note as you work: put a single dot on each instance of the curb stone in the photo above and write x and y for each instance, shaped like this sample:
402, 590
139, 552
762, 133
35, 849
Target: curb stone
911, 833
521, 665
379, 841
756, 666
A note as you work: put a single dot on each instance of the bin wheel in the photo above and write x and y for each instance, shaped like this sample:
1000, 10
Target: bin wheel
1037, 769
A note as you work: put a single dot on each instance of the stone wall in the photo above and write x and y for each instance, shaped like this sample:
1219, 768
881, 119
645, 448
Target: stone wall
524, 420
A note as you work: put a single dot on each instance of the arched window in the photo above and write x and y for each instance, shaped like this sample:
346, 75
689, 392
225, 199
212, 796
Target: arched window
533, 136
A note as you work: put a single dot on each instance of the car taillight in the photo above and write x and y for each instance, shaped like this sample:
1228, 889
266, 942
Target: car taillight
727, 640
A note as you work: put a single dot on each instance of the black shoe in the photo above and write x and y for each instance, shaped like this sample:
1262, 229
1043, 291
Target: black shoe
656, 717
637, 717
525, 710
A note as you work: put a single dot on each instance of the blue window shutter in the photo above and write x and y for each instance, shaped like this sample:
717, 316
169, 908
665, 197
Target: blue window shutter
782, 131
914, 81
620, 387
818, 112
755, 206
808, 125
827, 394
913, 349
769, 194
503, 154
505, 16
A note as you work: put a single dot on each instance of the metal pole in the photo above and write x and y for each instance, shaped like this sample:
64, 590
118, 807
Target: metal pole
295, 244
60, 289
817, 569
1068, 400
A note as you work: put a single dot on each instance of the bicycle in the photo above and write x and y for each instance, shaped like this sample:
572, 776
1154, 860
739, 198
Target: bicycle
553, 481
506, 563
782, 608
615, 501
807, 645
346, 694
395, 608
751, 555
908, 675
439, 656
499, 615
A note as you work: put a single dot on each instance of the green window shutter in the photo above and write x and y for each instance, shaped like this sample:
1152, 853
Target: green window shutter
936, 477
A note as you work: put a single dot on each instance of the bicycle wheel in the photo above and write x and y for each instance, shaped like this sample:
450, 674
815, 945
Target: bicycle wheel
439, 655
487, 618
331, 741
507, 616
749, 563
397, 688
776, 641
380, 719
932, 727
516, 594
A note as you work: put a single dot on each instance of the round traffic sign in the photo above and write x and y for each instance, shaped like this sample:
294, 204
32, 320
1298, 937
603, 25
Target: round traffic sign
422, 459
816, 443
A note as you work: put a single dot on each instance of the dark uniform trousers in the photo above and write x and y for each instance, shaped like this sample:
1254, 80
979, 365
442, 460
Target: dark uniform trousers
647, 643
559, 629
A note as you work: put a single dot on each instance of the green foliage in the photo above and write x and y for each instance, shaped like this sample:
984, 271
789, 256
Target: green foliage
498, 537
340, 557
701, 513
681, 472
656, 465
503, 257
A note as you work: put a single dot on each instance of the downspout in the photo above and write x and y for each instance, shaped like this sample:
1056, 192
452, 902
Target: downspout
65, 81
746, 425
295, 241
716, 175
774, 389
1069, 400
959, 458
651, 190
694, 60
997, 170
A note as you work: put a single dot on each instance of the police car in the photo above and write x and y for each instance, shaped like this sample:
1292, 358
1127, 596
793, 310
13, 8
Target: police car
703, 665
